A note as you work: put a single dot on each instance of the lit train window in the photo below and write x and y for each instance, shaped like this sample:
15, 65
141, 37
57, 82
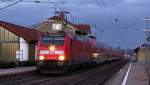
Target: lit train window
56, 27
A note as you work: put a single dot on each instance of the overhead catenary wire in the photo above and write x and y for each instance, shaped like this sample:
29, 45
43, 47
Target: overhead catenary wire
93, 26
39, 1
119, 21
105, 12
128, 25
10, 5
122, 39
111, 16
36, 1
72, 15
108, 15
66, 9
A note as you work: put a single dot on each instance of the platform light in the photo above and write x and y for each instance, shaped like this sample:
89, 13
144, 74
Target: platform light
61, 58
52, 48
41, 58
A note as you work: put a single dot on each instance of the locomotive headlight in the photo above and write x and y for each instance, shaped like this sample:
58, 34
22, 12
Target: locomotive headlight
52, 48
61, 58
41, 57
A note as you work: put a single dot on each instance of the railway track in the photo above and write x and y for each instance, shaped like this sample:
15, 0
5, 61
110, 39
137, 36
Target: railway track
89, 76
99, 77
95, 76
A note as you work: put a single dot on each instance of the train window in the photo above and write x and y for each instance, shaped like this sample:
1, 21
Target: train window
53, 40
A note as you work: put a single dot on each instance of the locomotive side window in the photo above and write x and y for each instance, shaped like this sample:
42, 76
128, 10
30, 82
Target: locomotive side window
53, 40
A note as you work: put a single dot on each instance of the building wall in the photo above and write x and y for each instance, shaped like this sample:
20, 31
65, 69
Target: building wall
144, 55
9, 43
141, 55
24, 47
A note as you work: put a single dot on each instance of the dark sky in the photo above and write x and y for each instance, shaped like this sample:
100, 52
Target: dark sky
100, 14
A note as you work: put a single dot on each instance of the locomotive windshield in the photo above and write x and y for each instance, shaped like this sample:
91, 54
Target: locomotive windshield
55, 40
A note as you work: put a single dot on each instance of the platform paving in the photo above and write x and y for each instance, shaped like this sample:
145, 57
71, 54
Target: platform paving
136, 76
16, 70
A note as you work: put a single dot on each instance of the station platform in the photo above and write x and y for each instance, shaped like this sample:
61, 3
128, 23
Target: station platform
131, 74
18, 70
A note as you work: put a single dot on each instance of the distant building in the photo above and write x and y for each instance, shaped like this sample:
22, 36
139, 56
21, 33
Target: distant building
17, 42
143, 53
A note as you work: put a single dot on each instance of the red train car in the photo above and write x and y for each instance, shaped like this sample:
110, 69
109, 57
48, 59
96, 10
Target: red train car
103, 53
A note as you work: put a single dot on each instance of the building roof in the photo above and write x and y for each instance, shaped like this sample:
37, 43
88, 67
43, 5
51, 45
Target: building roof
83, 27
143, 45
30, 35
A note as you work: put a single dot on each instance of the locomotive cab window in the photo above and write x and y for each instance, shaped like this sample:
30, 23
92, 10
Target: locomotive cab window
53, 40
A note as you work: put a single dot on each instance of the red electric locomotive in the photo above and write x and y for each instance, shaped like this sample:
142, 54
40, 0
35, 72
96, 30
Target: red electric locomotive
57, 52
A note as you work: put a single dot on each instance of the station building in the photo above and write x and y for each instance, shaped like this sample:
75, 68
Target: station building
143, 53
17, 42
